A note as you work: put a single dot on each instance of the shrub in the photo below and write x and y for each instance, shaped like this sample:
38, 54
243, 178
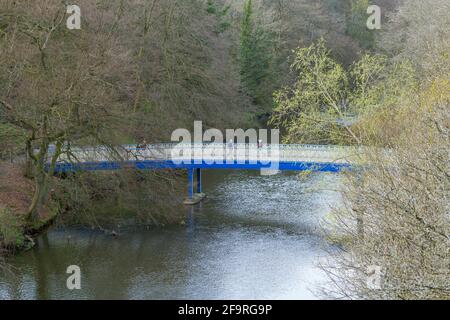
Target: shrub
11, 231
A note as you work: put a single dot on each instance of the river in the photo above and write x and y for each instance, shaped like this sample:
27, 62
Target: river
255, 237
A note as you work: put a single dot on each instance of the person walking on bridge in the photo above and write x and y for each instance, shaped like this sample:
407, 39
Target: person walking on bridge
142, 145
260, 144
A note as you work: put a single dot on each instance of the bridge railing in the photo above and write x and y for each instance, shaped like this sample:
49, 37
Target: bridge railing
215, 152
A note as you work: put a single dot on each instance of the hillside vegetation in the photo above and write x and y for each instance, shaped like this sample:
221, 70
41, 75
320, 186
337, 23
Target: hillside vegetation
136, 71
139, 69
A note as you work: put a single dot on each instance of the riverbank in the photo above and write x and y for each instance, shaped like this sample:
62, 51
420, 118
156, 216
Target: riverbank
16, 193
104, 201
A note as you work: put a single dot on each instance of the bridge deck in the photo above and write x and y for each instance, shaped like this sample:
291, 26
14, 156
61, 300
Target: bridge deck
194, 157
210, 156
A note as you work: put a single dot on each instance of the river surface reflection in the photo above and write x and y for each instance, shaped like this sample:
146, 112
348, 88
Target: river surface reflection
255, 237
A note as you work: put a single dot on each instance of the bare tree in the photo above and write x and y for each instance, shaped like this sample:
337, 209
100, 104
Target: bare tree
419, 31
404, 198
59, 87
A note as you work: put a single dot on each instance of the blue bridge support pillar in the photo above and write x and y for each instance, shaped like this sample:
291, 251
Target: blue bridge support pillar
194, 182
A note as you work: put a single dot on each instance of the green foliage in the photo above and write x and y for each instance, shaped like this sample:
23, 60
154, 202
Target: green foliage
12, 140
11, 229
221, 13
325, 100
357, 24
211, 7
222, 26
378, 82
364, 72
254, 56
310, 108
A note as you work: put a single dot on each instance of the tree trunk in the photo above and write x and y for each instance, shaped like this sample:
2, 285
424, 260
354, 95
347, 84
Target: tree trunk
39, 197
42, 179
28, 161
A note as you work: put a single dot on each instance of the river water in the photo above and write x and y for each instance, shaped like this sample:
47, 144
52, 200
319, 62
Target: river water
255, 237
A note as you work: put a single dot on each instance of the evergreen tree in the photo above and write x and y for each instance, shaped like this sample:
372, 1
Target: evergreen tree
357, 24
254, 56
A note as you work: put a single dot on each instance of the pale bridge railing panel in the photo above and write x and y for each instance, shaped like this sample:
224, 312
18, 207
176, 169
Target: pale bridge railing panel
215, 153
